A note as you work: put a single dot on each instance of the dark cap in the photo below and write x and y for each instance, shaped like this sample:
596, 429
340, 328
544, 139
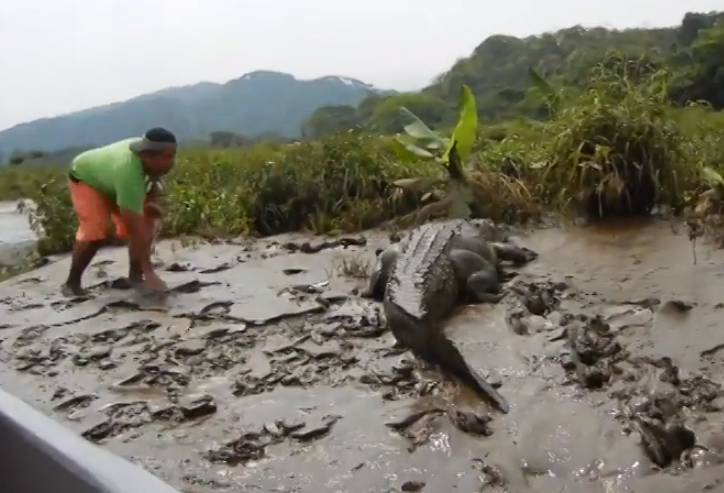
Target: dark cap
155, 139
160, 134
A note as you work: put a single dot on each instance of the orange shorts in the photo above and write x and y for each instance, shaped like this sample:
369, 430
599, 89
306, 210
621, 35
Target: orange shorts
96, 214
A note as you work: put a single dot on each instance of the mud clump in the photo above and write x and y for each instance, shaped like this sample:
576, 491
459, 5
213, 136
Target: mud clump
399, 381
470, 421
417, 425
593, 349
664, 436
419, 422
660, 417
538, 298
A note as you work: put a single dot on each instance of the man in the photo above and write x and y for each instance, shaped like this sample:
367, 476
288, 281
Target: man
109, 183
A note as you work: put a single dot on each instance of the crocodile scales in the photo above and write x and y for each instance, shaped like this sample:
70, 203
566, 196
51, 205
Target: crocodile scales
423, 277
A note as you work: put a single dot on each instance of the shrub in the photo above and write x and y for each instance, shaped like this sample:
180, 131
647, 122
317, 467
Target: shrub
614, 150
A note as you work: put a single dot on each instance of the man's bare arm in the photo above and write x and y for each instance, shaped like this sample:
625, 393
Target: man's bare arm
139, 238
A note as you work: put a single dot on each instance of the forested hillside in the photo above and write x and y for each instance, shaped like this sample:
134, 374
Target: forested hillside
498, 72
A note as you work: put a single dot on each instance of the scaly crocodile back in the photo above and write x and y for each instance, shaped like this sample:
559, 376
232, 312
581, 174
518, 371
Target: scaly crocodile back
423, 282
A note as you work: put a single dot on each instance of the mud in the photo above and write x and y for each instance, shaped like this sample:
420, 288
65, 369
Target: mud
264, 369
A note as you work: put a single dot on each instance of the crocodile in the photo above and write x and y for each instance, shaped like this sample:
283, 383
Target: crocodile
422, 277
487, 240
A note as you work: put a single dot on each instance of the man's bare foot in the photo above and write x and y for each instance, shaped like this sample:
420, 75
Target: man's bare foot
135, 280
126, 283
73, 290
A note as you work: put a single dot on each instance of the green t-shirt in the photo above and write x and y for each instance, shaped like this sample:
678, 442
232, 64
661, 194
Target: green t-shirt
116, 172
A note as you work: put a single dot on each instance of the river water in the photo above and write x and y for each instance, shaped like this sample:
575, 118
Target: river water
16, 237
265, 371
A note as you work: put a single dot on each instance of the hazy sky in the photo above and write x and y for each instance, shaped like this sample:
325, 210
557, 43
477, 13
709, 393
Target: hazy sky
57, 56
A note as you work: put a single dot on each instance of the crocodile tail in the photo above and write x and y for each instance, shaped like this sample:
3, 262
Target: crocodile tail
449, 358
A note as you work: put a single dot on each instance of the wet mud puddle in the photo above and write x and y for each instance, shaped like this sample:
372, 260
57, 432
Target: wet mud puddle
265, 371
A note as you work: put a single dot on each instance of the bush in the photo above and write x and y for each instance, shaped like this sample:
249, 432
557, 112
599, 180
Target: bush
340, 183
17, 182
615, 151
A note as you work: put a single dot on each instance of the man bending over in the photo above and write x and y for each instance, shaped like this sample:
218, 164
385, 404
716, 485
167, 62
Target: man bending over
109, 183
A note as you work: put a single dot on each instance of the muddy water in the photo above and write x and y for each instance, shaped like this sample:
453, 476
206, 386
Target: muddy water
265, 371
16, 237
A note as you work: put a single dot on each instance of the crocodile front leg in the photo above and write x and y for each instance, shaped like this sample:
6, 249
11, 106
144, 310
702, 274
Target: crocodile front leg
513, 253
483, 286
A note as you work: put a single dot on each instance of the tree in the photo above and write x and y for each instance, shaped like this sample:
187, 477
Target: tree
226, 139
329, 119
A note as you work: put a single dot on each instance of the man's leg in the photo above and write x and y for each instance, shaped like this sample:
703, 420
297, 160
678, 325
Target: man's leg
83, 254
135, 269
93, 214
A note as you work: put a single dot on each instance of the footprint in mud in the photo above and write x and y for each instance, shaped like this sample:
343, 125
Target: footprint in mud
65, 304
100, 350
677, 306
124, 416
74, 403
307, 247
251, 446
29, 335
179, 267
160, 373
304, 362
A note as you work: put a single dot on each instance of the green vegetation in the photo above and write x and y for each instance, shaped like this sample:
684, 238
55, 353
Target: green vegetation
608, 136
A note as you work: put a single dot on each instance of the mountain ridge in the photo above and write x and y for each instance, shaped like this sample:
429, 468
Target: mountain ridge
256, 103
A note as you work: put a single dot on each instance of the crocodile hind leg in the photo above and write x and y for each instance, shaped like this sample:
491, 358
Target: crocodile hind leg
483, 286
478, 276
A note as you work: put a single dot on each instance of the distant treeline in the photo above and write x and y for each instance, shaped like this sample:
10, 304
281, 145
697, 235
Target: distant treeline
63, 157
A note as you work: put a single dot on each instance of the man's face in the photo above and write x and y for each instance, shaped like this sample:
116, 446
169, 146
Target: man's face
158, 164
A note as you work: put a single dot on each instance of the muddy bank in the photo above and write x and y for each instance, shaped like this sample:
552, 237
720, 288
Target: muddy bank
608, 340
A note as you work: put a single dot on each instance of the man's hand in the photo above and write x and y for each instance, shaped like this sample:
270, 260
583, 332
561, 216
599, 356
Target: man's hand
140, 239
153, 210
